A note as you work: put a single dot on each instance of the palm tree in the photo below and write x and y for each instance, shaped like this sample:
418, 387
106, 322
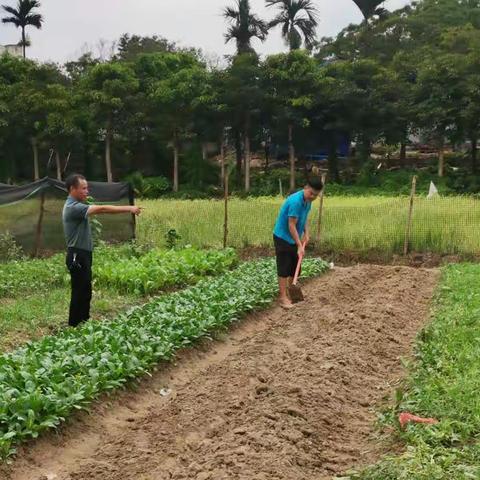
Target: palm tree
297, 18
244, 25
23, 16
370, 7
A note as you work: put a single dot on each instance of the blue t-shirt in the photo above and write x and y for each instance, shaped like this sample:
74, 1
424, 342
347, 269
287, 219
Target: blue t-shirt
294, 206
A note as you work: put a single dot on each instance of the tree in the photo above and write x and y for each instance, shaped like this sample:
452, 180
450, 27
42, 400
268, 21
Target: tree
297, 18
23, 16
244, 26
76, 69
447, 99
364, 95
212, 115
176, 97
109, 90
381, 40
60, 128
290, 83
244, 97
464, 42
129, 47
30, 103
14, 72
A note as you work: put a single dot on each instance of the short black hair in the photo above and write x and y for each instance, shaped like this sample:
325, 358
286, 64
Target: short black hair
73, 180
315, 183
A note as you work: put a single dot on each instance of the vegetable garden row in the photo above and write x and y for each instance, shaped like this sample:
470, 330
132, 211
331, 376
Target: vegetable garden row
42, 382
124, 268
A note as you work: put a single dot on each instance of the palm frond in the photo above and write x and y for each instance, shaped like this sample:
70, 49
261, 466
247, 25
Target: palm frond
231, 34
297, 18
24, 13
230, 13
34, 20
271, 3
244, 25
280, 19
11, 10
13, 20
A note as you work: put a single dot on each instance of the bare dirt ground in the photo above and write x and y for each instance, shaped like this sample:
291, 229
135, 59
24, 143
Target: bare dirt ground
282, 396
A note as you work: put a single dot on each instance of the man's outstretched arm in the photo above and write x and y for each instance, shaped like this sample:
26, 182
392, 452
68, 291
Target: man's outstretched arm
113, 209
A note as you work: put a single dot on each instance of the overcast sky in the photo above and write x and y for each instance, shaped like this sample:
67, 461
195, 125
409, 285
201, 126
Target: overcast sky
71, 24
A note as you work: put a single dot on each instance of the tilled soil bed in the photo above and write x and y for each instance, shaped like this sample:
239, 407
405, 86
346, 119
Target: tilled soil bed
284, 395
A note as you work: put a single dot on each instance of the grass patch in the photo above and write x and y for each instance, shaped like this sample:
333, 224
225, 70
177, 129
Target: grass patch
445, 225
36, 315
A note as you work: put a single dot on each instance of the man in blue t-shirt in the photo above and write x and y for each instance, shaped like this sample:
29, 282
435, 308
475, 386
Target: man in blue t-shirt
291, 234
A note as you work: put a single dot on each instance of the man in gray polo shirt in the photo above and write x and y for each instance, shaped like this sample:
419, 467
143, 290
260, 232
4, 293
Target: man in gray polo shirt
78, 236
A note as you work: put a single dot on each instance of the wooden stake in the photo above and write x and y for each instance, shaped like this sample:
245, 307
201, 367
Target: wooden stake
38, 233
320, 212
225, 220
222, 157
410, 215
131, 201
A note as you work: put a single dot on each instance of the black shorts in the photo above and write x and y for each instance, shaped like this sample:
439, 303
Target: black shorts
287, 257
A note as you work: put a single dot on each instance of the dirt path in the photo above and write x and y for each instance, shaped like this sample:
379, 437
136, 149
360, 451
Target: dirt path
283, 396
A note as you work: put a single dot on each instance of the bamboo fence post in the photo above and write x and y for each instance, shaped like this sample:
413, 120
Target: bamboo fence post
131, 201
320, 213
410, 215
225, 218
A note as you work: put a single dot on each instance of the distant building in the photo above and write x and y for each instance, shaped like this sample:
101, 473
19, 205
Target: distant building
14, 50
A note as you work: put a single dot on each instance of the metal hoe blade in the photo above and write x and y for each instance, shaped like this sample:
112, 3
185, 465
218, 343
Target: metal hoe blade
295, 293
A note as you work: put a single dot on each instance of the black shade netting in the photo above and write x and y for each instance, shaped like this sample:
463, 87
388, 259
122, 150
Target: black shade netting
32, 213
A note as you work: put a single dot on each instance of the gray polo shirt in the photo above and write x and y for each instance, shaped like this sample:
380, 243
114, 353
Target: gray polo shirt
76, 225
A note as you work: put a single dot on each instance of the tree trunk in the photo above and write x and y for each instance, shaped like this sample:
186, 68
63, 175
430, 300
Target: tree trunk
108, 153
474, 155
204, 151
267, 154
291, 156
238, 153
24, 41
332, 161
175, 162
403, 153
222, 162
365, 149
59, 165
35, 159
441, 161
247, 162
247, 154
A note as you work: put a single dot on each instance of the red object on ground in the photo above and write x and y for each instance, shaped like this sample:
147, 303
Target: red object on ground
406, 417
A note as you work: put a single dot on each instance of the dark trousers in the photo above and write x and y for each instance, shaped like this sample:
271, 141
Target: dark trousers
79, 264
287, 257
